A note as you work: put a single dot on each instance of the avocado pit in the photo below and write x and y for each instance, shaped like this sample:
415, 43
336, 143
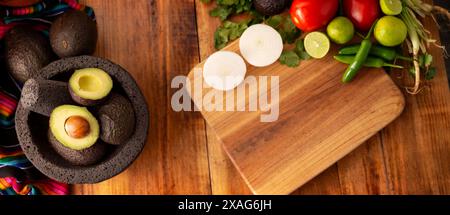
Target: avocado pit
77, 127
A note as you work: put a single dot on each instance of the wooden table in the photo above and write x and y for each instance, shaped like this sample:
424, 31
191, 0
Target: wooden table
157, 40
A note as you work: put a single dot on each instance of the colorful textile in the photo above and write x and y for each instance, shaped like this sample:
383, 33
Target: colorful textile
45, 7
5, 12
18, 173
10, 186
40, 18
14, 157
8, 106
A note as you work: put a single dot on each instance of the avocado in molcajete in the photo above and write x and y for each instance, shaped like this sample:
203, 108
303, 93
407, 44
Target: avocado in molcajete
116, 119
27, 51
74, 127
83, 157
270, 7
90, 86
73, 33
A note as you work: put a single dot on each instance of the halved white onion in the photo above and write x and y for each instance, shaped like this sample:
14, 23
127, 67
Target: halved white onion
261, 45
224, 70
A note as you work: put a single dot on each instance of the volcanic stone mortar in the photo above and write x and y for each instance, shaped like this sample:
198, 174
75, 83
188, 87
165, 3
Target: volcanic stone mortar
32, 127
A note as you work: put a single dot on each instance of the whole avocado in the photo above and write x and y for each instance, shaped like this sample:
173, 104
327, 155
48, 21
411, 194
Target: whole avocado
116, 119
73, 33
27, 51
271, 7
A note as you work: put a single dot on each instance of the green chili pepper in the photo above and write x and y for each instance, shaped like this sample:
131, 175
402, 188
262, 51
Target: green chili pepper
386, 53
370, 61
360, 57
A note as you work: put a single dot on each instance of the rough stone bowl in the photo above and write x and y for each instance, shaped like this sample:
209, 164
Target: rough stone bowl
32, 128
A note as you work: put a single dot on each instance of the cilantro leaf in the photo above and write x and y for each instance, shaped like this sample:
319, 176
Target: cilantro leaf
291, 32
425, 60
275, 21
304, 55
299, 46
226, 8
221, 12
284, 25
229, 31
431, 73
300, 50
290, 58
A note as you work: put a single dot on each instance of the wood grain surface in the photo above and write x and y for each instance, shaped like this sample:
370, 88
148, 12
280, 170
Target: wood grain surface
156, 40
320, 120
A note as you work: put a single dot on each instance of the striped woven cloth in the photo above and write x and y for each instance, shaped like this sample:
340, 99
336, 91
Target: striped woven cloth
40, 16
17, 174
10, 186
14, 157
8, 106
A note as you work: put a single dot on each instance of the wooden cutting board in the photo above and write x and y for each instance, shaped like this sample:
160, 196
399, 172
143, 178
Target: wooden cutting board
320, 121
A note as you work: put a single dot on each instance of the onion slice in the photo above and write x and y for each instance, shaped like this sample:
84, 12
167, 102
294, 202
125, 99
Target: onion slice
261, 45
224, 70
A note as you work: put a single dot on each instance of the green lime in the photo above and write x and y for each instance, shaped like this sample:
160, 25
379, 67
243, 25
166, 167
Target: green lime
390, 31
341, 30
391, 7
317, 44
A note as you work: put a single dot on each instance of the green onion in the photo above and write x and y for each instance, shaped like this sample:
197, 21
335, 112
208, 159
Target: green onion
418, 37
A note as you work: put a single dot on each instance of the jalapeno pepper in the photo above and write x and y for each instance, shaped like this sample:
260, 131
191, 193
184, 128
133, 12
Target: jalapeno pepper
370, 61
386, 53
360, 58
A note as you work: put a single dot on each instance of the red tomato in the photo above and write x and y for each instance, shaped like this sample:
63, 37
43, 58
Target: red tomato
362, 12
310, 15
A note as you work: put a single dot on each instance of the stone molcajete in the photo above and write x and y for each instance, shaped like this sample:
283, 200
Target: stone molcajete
82, 140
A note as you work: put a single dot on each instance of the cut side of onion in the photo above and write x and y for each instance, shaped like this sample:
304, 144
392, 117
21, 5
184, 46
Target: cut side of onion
261, 45
224, 70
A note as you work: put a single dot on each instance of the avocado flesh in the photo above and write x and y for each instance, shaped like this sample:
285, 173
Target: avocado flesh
270, 7
90, 86
58, 119
27, 51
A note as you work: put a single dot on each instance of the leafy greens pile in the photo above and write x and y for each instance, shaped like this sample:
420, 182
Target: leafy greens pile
226, 8
230, 30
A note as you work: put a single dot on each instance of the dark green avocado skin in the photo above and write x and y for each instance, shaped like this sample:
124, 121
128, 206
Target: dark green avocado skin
83, 157
116, 119
27, 51
73, 34
271, 7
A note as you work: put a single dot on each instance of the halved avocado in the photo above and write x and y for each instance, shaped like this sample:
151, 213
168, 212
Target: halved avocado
90, 86
74, 127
